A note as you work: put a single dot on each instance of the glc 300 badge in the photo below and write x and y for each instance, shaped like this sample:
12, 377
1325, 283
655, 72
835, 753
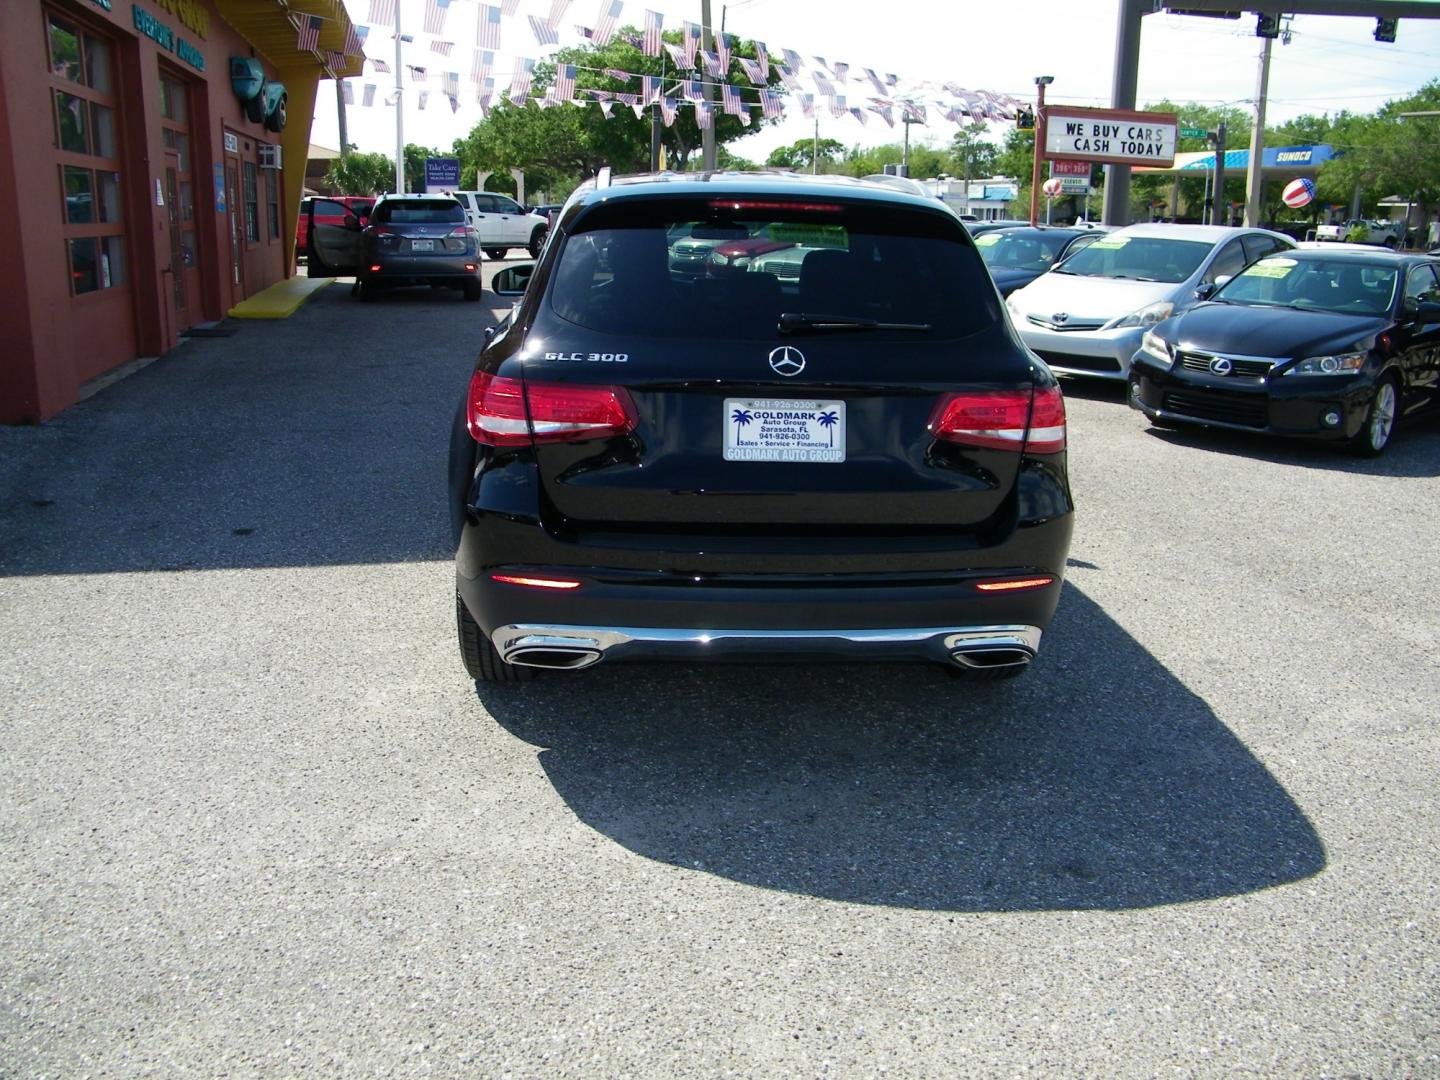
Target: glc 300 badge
787, 361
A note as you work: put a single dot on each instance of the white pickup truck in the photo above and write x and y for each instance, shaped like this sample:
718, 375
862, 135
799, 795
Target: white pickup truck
502, 223
1388, 233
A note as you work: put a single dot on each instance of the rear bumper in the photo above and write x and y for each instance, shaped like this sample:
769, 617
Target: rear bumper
405, 270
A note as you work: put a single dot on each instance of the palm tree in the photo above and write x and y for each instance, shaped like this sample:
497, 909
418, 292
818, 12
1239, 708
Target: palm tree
740, 417
828, 420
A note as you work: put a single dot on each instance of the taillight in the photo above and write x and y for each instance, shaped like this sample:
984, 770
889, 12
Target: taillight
1047, 422
536, 582
1015, 584
1003, 419
459, 233
495, 411
502, 411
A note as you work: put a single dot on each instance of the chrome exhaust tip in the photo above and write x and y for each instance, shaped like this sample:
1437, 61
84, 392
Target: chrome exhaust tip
561, 658
999, 656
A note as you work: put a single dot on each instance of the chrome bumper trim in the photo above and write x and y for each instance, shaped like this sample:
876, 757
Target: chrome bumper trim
937, 643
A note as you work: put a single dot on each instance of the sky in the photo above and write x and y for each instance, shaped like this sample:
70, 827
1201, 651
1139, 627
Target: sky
1331, 63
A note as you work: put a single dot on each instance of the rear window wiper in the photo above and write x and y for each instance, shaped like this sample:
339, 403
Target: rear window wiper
792, 322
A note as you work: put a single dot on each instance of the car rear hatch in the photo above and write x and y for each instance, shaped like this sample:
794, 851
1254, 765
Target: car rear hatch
420, 229
882, 391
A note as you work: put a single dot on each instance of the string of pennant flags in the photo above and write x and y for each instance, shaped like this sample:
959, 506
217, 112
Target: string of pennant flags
838, 89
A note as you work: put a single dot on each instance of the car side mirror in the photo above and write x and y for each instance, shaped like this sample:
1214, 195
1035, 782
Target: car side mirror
351, 222
1207, 290
513, 280
1425, 312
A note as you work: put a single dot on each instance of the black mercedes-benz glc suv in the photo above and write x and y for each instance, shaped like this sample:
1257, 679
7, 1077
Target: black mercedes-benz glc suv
856, 460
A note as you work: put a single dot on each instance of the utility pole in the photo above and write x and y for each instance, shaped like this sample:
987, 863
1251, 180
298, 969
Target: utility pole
340, 113
707, 135
907, 120
399, 111
655, 119
1254, 177
1218, 206
1041, 81
815, 147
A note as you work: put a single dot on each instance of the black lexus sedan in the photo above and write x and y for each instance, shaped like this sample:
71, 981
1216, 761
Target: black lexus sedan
1017, 257
858, 462
1333, 345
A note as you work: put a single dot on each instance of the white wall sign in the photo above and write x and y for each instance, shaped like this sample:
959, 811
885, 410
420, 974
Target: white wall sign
1116, 136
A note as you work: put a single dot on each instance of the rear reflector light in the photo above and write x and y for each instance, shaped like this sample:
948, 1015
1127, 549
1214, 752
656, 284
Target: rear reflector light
460, 233
1014, 584
502, 411
469, 266
1003, 419
536, 582
376, 268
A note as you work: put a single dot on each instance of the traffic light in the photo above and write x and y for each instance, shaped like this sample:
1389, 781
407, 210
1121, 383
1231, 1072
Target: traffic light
1267, 26
1385, 29
1025, 120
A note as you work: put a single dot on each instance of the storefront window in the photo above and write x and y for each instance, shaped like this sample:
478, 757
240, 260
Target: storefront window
87, 165
272, 201
252, 205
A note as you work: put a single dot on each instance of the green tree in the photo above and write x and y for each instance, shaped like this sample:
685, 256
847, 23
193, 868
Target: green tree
971, 153
798, 154
1385, 154
362, 174
925, 160
415, 165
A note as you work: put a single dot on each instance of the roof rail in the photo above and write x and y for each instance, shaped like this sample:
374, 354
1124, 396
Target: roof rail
602, 178
899, 183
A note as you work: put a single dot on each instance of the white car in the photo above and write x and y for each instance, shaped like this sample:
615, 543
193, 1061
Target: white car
502, 223
1086, 316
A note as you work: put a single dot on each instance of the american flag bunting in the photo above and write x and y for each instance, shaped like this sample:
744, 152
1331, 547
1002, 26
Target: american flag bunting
435, 11
690, 41
605, 21
825, 86
487, 29
723, 44
678, 57
424, 97
875, 81
368, 97
450, 84
753, 70
704, 115
770, 106
335, 61
417, 73
509, 7
349, 92
807, 105
711, 62
762, 55
649, 88
690, 90
557, 12
307, 38
379, 65
545, 34
618, 75
355, 39
730, 96
668, 109
787, 76
520, 81
792, 59
564, 87
654, 23
839, 70
382, 12
838, 106
480, 64
858, 114
442, 47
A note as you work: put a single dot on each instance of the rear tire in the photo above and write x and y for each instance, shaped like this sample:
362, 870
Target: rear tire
472, 290
496, 253
1374, 435
482, 662
537, 241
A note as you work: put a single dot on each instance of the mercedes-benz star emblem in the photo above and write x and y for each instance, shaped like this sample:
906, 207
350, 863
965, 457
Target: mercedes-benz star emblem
1221, 365
787, 361
1059, 317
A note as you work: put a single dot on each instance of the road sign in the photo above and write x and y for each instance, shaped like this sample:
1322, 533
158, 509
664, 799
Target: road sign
1115, 136
1192, 133
1070, 168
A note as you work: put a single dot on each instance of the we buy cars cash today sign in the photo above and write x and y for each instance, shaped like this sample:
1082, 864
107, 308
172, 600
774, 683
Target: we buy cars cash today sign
1112, 136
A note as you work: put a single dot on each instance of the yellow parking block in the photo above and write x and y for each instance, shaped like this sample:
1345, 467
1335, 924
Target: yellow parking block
280, 300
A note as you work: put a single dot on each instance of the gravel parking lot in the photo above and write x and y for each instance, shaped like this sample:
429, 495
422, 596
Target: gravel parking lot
257, 820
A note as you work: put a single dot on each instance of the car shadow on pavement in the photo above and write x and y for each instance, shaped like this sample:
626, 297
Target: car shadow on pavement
1414, 450
1096, 781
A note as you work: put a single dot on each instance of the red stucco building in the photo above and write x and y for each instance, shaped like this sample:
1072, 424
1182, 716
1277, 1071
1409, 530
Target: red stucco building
137, 196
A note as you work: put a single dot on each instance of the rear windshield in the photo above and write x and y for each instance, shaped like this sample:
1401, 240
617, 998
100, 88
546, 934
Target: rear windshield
418, 212
1139, 258
1342, 285
1020, 249
694, 268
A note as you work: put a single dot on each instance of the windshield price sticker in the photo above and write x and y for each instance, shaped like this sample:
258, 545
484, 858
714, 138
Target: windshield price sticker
1271, 268
987, 239
1110, 243
784, 430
